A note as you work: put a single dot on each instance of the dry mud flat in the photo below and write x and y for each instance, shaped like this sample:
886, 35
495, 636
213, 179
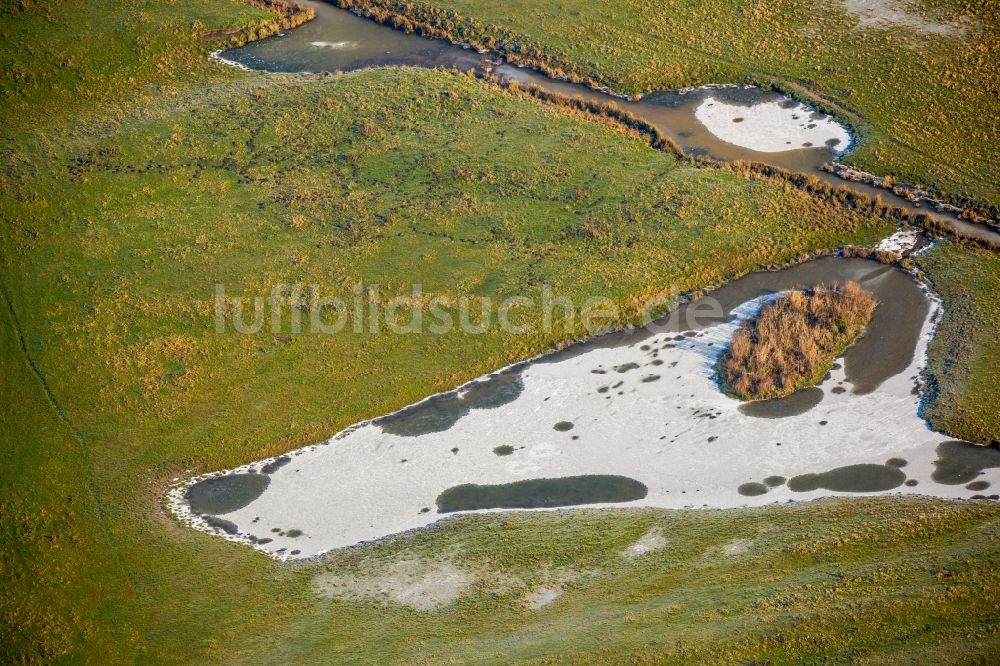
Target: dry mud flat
771, 127
890, 13
632, 419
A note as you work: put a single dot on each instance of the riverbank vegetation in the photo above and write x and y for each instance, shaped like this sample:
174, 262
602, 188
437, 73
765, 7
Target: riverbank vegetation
925, 103
841, 196
289, 14
961, 387
138, 176
792, 342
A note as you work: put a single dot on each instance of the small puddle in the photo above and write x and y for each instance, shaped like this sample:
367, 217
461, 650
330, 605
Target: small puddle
864, 478
225, 494
797, 403
275, 465
752, 489
440, 412
960, 462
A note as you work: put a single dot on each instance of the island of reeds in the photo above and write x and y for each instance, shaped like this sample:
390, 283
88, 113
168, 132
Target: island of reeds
792, 342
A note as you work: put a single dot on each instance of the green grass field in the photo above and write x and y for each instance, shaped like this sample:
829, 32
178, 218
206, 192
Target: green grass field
964, 356
138, 175
926, 105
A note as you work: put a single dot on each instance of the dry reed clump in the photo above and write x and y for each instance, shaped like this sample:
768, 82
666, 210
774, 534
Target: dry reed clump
886, 256
881, 256
851, 251
290, 14
792, 343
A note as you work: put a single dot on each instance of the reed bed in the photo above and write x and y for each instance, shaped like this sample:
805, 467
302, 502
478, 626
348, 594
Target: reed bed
791, 344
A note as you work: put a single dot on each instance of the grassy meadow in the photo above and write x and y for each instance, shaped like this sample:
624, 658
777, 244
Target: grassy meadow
137, 176
964, 357
923, 99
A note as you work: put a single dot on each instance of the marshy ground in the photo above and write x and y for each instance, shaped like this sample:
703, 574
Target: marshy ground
137, 174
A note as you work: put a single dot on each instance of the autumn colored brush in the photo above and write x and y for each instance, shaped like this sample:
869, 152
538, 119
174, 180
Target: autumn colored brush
791, 344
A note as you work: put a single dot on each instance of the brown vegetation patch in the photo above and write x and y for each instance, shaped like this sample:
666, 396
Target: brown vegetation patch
289, 14
792, 343
881, 256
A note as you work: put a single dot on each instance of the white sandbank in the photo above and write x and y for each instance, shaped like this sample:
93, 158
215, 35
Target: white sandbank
771, 127
900, 242
679, 435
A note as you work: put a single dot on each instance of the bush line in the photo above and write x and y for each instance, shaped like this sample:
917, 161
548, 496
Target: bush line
290, 14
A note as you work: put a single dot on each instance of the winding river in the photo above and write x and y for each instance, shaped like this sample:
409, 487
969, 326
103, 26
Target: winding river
744, 121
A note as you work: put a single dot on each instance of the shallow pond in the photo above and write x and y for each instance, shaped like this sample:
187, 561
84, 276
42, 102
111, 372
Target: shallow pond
626, 419
727, 122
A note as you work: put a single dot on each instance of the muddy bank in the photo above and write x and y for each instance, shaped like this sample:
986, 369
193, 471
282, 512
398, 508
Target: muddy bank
542, 493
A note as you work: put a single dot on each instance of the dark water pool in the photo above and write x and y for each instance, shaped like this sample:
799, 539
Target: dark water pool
542, 493
224, 494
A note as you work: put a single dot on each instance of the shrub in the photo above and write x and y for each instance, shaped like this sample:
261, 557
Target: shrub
886, 256
792, 342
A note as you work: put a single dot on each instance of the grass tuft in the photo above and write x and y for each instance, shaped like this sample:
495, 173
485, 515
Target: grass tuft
792, 343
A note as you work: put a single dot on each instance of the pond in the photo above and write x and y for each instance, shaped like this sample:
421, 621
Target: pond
634, 418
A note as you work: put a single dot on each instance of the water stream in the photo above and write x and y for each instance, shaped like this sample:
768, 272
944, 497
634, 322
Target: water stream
337, 40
